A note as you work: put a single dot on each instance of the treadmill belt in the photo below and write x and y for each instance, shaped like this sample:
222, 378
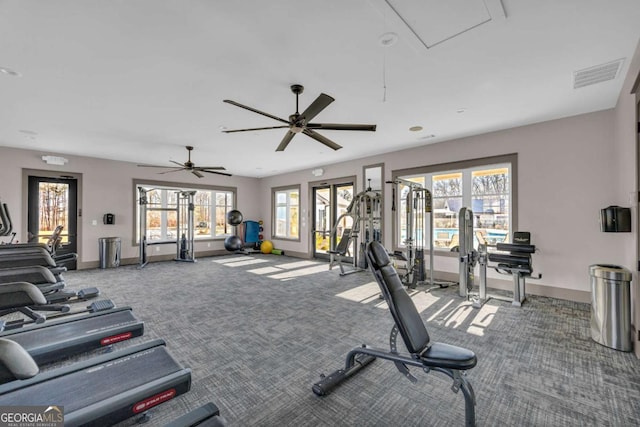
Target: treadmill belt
97, 383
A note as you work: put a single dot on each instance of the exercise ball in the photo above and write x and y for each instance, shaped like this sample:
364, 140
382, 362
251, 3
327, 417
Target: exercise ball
233, 243
266, 247
234, 217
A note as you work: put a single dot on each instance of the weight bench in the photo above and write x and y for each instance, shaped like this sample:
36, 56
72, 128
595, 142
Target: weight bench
448, 359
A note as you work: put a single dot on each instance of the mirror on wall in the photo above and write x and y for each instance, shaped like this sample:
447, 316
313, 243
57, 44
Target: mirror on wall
373, 177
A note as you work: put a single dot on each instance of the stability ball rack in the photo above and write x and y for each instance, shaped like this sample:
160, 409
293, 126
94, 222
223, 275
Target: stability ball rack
185, 225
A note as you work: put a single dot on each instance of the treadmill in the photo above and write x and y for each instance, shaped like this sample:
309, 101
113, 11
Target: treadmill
103, 390
72, 335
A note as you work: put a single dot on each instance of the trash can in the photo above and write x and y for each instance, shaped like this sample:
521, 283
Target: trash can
611, 306
109, 252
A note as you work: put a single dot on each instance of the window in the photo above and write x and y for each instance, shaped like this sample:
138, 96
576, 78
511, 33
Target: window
210, 211
286, 218
484, 187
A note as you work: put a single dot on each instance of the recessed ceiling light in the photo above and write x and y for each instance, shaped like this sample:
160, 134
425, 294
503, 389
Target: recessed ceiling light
9, 72
388, 39
415, 128
28, 132
460, 110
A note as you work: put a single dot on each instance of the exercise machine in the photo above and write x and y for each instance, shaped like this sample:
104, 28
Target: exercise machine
429, 356
103, 390
418, 217
364, 212
71, 335
185, 225
27, 299
50, 285
512, 259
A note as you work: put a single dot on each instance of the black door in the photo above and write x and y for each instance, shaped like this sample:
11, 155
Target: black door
53, 202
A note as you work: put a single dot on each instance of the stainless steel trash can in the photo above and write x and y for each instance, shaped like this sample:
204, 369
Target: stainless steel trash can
611, 306
109, 252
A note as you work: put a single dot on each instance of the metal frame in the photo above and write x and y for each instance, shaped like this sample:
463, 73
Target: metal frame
469, 258
366, 212
185, 224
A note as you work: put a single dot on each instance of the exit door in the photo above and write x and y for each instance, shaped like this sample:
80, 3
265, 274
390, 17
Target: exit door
53, 202
330, 201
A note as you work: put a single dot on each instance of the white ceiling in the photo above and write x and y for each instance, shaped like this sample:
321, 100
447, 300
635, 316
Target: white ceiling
137, 80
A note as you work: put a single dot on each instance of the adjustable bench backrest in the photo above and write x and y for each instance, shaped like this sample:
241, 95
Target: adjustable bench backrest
343, 245
404, 312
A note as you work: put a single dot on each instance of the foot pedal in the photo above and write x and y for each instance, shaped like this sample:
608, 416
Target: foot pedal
60, 296
88, 293
102, 305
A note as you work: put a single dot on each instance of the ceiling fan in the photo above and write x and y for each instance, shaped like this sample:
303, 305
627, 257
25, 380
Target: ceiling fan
189, 166
301, 123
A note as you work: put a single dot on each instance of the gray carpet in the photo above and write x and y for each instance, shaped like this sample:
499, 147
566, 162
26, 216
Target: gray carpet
258, 330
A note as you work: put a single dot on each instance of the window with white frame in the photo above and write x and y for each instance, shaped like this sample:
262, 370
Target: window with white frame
210, 211
486, 189
286, 215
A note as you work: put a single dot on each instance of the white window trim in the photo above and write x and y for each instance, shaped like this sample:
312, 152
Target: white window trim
274, 205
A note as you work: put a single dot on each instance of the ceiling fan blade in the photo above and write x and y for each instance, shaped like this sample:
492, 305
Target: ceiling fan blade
228, 101
326, 141
157, 166
321, 102
196, 173
285, 141
202, 168
245, 130
172, 170
338, 126
176, 163
217, 173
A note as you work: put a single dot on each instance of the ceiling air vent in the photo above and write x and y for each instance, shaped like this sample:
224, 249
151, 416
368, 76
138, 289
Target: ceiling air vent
597, 74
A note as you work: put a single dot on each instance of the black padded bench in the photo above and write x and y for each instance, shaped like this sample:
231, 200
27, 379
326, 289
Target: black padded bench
450, 360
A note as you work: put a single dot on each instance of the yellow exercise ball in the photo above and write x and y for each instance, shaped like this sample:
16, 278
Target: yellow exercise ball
266, 247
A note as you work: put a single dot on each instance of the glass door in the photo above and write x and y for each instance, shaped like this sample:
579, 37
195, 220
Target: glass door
330, 203
53, 202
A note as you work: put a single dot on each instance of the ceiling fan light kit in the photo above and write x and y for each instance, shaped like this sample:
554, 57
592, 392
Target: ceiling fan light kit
301, 122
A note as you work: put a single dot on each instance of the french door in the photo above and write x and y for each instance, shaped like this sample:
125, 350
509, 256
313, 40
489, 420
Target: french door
330, 201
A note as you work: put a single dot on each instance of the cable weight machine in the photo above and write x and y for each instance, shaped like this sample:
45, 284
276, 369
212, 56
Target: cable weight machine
418, 219
185, 225
365, 213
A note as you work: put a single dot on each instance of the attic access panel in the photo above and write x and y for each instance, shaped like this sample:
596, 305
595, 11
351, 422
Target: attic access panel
435, 21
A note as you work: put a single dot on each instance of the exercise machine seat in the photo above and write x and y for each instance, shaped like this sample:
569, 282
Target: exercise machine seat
15, 362
408, 320
448, 356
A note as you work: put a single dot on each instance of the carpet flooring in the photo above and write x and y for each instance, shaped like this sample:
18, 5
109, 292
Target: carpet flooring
258, 330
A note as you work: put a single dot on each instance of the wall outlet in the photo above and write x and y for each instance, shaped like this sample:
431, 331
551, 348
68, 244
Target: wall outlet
94, 222
208, 245
157, 248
